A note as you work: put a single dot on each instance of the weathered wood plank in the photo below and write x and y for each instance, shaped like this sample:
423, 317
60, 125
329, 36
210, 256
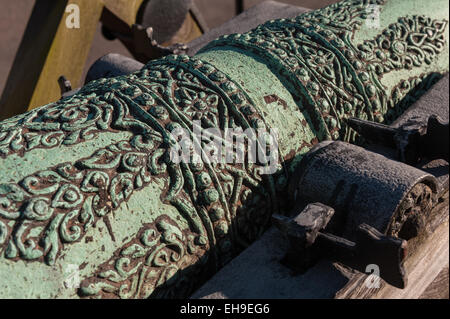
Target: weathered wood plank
439, 288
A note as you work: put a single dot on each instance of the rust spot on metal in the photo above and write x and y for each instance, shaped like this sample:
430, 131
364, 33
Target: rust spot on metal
275, 98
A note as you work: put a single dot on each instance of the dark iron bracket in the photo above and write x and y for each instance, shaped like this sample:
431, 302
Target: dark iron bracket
413, 141
308, 242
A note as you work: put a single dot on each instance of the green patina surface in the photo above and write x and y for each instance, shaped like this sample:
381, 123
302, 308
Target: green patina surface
87, 184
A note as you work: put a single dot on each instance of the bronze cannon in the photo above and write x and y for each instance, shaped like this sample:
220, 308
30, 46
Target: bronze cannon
88, 182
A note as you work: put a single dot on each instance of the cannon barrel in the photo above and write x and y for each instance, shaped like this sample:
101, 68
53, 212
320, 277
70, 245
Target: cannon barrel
92, 203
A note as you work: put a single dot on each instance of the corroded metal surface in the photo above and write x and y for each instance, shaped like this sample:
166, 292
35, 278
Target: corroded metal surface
87, 181
112, 65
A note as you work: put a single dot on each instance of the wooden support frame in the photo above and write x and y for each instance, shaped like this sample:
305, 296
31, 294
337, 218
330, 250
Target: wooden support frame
50, 49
